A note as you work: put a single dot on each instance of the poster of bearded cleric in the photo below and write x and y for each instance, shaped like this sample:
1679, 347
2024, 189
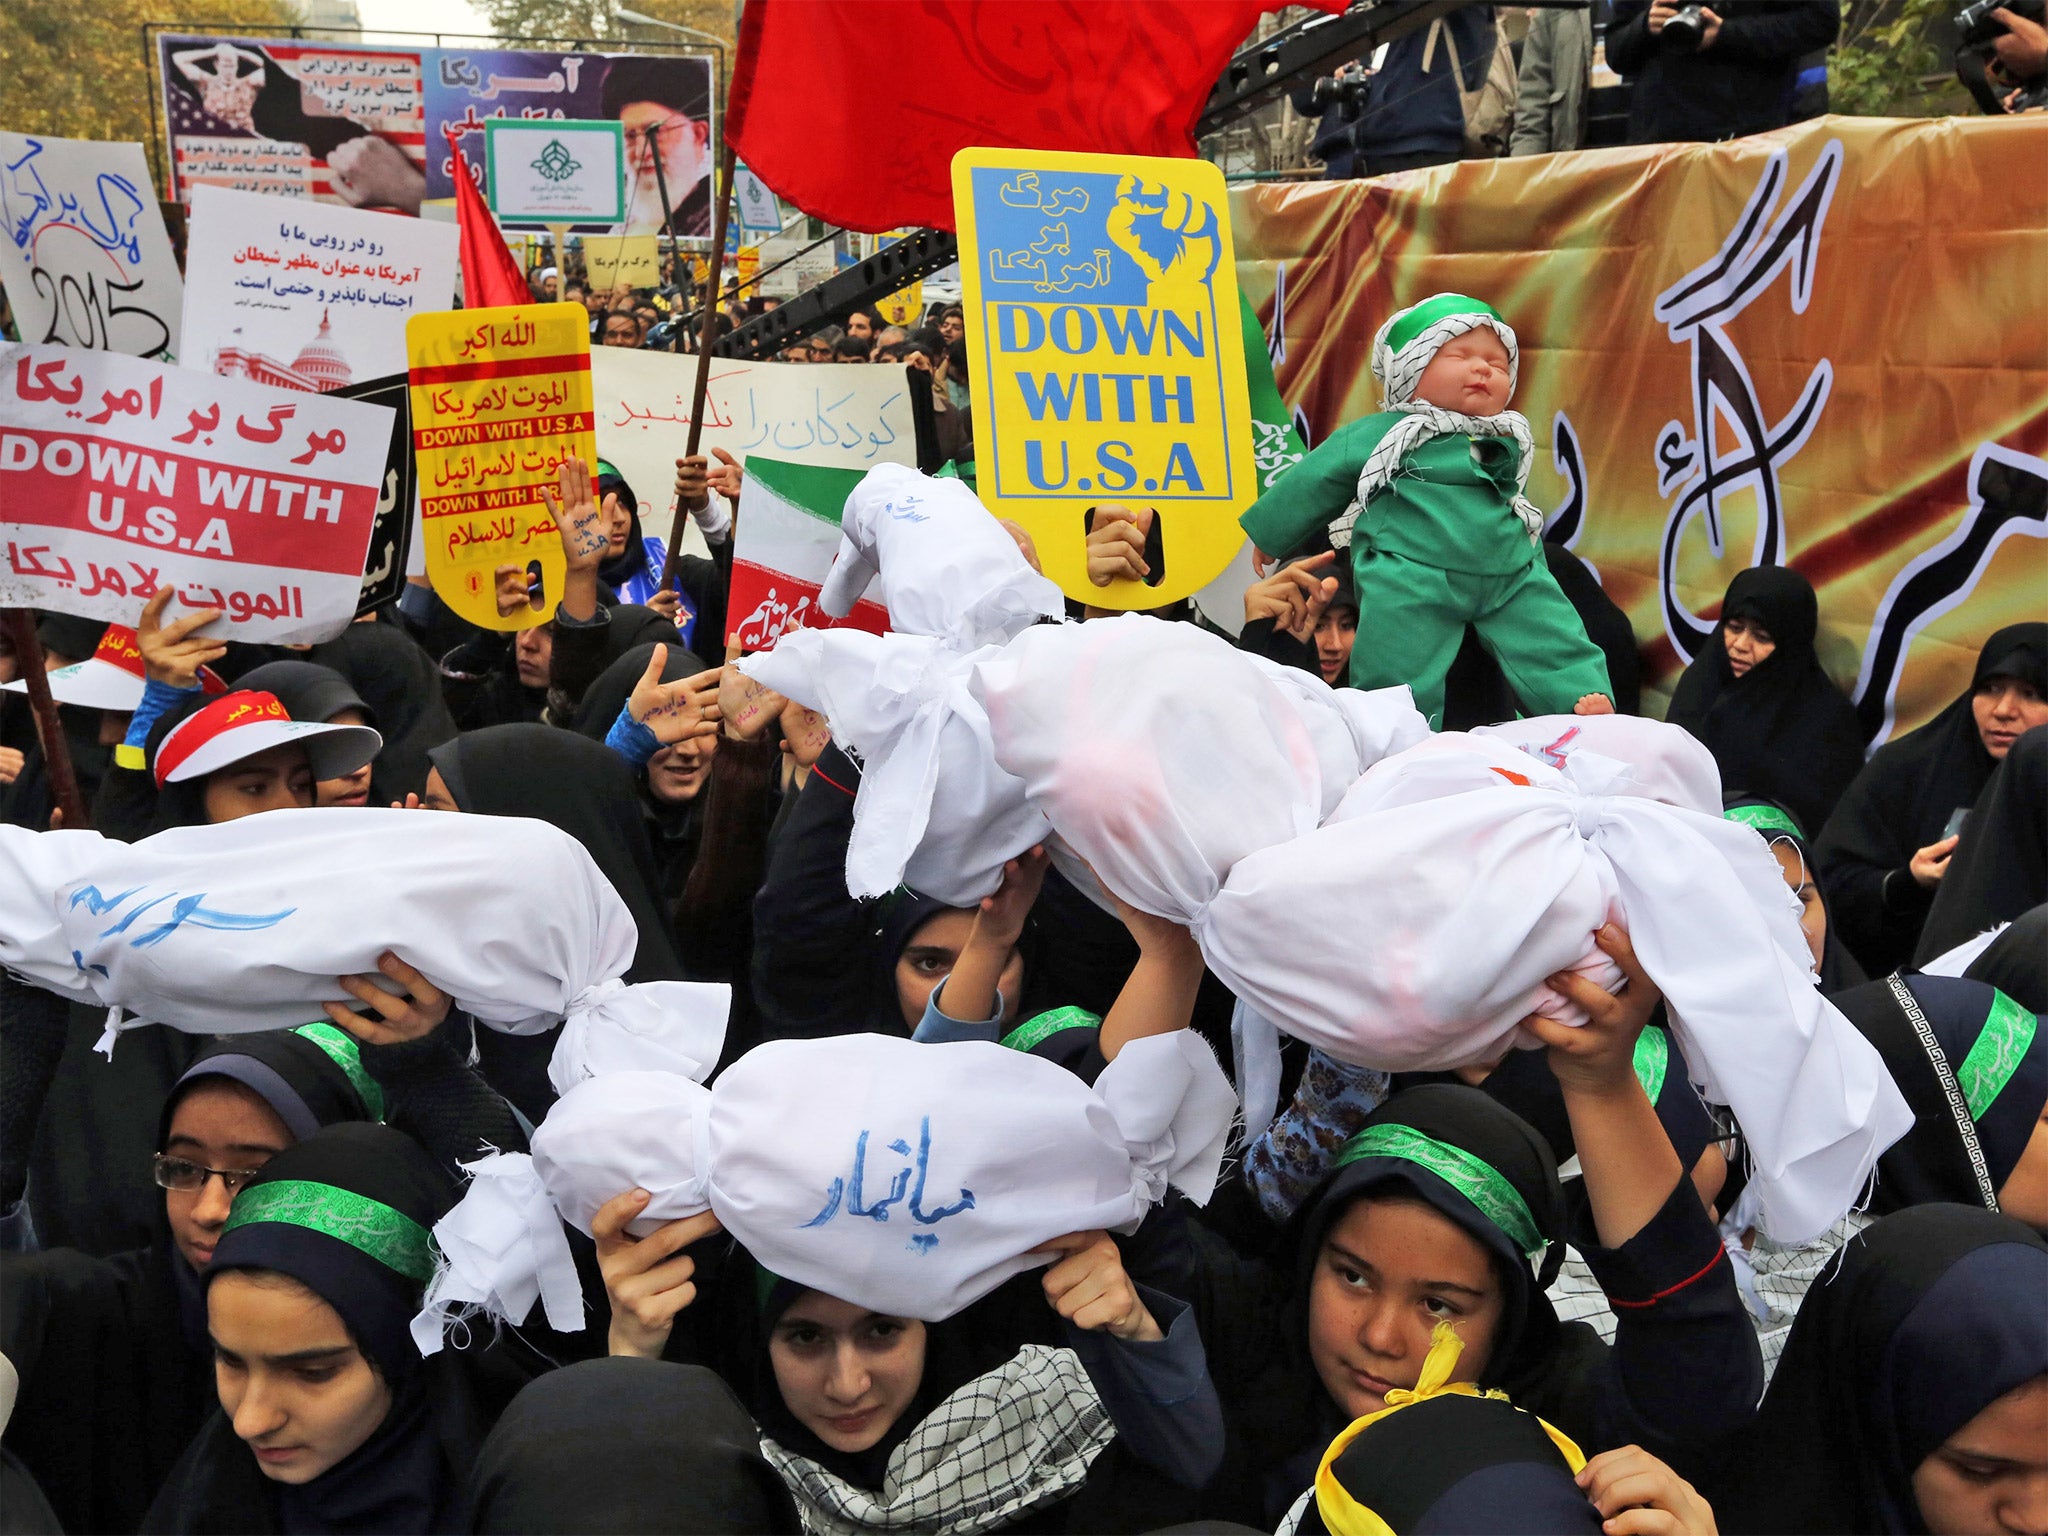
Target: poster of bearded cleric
378, 127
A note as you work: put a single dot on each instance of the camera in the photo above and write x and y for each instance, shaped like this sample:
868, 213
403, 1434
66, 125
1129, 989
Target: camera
1683, 31
1976, 27
1345, 90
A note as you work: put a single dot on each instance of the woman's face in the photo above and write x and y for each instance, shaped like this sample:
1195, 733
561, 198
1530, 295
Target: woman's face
1748, 643
1389, 1272
354, 789
929, 958
2024, 1194
277, 780
677, 773
219, 1123
846, 1373
618, 525
1334, 638
291, 1380
2006, 708
1990, 1476
437, 796
1813, 912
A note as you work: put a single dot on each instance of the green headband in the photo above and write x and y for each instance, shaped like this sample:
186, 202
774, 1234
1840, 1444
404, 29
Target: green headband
1765, 818
343, 1052
1415, 321
606, 467
2001, 1046
1034, 1032
369, 1226
1470, 1175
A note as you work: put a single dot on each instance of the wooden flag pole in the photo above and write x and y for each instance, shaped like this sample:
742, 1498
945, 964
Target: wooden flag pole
704, 339
28, 655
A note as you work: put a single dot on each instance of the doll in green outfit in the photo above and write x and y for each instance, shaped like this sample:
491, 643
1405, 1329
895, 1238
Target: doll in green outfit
1428, 494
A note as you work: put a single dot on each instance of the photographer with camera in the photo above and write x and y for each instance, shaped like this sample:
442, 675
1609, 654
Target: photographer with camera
2003, 54
1701, 73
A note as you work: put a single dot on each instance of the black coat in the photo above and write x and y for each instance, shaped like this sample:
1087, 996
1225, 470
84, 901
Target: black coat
1741, 85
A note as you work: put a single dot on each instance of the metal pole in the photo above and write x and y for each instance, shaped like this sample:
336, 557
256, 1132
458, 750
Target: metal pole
723, 211
28, 653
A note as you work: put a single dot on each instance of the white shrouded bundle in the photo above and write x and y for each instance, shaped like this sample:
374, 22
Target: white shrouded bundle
948, 569
905, 1178
246, 925
1665, 763
1162, 755
933, 811
1455, 877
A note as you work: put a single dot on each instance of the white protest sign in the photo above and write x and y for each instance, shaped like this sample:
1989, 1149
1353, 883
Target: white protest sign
86, 260
837, 415
559, 172
119, 476
757, 207
307, 295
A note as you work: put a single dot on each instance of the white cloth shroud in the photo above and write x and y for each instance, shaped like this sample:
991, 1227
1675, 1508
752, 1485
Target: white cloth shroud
1458, 875
908, 1179
1162, 754
948, 568
245, 925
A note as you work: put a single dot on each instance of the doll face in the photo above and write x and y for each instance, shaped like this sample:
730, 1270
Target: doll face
1469, 374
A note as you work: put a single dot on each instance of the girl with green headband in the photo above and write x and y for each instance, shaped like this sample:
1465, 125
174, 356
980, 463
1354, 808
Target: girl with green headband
1428, 495
329, 1419
1446, 1207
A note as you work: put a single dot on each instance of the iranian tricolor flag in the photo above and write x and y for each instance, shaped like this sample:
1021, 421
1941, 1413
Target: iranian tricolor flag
788, 533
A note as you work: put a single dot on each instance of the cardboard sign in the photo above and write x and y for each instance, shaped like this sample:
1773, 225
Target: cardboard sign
755, 206
307, 295
1102, 310
556, 172
788, 533
385, 566
500, 397
85, 259
119, 476
614, 259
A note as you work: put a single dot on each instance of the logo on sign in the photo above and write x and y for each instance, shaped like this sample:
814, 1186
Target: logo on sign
556, 163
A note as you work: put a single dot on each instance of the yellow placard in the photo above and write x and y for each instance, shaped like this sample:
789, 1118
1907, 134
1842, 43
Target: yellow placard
500, 397
904, 305
1102, 316
745, 268
614, 259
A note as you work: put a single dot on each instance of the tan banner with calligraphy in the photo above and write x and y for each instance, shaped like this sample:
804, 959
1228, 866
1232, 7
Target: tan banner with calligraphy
1824, 347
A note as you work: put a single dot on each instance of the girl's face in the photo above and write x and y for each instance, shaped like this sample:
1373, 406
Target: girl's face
1748, 643
677, 773
1389, 1272
277, 780
2006, 708
2024, 1194
1990, 1476
353, 789
929, 958
1813, 913
290, 1378
1334, 638
219, 1123
847, 1374
438, 797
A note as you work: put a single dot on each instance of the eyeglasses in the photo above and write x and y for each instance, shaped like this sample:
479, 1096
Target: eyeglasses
184, 1176
635, 137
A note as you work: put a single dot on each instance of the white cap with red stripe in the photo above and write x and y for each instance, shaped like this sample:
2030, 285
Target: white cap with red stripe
241, 724
112, 678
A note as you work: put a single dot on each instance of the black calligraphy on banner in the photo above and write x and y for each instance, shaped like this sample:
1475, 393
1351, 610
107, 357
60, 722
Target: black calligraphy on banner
391, 536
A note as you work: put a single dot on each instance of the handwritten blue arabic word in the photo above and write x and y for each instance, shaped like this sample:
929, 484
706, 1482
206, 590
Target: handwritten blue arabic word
187, 909
850, 1197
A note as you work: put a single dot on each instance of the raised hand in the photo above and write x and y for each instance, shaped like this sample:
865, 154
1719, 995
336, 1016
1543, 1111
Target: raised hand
1088, 1286
512, 594
1116, 545
418, 1012
692, 481
1295, 597
1599, 1054
1638, 1495
675, 711
726, 476
577, 516
808, 734
747, 707
173, 653
649, 1280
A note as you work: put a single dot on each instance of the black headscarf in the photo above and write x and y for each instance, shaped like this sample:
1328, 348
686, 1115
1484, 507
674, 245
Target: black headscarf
1932, 1315
311, 1077
1783, 729
402, 687
307, 690
603, 699
627, 1446
2000, 866
1458, 1464
1776, 824
2016, 962
347, 1213
1902, 801
581, 787
1996, 1056
676, 829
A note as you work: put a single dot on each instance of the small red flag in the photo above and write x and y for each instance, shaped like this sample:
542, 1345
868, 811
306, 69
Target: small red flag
491, 278
854, 112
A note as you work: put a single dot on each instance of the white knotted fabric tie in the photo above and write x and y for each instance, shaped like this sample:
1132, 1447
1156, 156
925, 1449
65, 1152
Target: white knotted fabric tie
653, 1026
1173, 1109
501, 1249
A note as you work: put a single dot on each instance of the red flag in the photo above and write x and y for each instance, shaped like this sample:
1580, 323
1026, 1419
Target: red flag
491, 278
854, 112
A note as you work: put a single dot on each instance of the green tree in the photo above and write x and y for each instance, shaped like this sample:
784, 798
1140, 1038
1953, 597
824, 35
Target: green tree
1887, 64
76, 69
568, 20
